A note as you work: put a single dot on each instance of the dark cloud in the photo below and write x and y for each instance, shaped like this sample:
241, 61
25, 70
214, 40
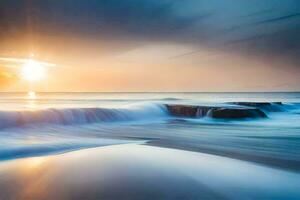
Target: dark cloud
96, 18
280, 18
260, 26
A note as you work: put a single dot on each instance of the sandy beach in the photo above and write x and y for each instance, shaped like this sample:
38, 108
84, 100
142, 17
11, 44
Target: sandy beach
135, 171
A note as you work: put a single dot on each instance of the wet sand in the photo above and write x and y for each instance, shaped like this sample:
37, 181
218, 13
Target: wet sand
134, 171
274, 162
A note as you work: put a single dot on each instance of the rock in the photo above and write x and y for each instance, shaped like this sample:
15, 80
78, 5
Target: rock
257, 104
267, 106
236, 113
187, 110
253, 104
214, 112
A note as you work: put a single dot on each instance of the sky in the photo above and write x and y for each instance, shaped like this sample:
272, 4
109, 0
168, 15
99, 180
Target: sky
152, 45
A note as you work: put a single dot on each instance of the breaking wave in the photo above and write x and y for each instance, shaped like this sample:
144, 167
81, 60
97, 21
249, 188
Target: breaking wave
140, 111
70, 116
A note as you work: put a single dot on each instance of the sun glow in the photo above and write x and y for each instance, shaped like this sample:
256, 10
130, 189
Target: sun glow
31, 95
33, 71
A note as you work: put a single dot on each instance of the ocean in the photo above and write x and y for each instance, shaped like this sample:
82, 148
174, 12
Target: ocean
237, 145
33, 124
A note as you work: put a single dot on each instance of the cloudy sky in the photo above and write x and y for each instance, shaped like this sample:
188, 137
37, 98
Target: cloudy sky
153, 45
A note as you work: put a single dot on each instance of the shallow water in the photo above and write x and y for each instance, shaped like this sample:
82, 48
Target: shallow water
143, 172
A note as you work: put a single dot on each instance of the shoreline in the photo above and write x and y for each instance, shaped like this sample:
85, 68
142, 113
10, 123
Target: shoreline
278, 163
283, 164
134, 171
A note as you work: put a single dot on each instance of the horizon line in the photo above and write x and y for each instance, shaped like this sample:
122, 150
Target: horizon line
151, 92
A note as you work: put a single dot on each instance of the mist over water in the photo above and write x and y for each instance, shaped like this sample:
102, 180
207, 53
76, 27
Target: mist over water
49, 123
64, 114
58, 122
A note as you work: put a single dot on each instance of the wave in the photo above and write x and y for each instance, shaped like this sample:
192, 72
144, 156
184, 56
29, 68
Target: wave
142, 112
81, 115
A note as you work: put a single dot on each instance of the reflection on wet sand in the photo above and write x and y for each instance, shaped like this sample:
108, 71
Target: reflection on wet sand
142, 172
24, 178
33, 175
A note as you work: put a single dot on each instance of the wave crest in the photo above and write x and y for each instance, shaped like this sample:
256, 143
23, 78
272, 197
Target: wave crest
80, 115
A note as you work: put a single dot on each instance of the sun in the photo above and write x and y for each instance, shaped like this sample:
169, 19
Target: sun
33, 71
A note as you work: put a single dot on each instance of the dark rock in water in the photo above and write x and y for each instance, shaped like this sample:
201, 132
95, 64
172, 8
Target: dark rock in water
266, 106
254, 104
257, 104
182, 110
236, 113
214, 112
187, 110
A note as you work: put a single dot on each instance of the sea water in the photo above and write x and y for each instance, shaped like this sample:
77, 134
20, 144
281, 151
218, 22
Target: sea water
34, 124
246, 157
